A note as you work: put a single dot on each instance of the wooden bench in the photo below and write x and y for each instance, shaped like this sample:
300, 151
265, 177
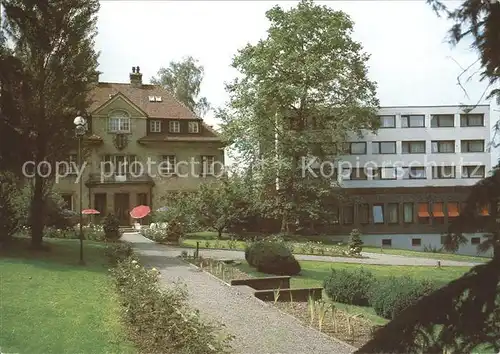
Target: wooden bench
297, 294
266, 283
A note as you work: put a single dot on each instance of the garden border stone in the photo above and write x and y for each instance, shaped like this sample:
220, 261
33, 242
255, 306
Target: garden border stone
265, 283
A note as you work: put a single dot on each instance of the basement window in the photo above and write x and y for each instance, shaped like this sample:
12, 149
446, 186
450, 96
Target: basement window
386, 242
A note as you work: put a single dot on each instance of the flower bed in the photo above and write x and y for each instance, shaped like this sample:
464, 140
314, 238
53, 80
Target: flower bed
321, 314
223, 271
338, 324
159, 319
91, 232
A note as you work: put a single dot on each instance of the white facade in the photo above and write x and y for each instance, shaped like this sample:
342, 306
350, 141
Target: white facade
429, 241
451, 155
435, 137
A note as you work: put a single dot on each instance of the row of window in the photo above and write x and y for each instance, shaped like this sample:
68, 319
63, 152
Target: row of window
397, 213
207, 164
174, 126
417, 172
130, 164
437, 121
416, 242
414, 147
122, 125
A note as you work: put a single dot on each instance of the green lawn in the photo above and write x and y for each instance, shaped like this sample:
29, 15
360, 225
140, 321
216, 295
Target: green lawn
50, 304
313, 273
210, 237
431, 255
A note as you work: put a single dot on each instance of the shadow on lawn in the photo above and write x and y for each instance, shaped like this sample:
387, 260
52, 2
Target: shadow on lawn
59, 252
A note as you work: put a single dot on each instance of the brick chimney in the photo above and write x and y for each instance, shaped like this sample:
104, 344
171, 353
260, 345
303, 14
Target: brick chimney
136, 77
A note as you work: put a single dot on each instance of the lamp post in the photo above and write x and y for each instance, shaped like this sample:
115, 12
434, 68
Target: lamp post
80, 130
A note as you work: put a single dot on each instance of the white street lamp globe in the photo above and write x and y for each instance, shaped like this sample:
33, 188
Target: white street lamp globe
79, 121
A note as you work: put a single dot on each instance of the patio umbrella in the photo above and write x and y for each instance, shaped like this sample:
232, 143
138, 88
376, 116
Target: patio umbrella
90, 212
140, 212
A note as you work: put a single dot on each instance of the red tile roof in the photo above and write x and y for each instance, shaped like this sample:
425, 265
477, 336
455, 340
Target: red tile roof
169, 107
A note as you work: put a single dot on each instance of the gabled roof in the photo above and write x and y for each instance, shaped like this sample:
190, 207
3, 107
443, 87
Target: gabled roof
169, 107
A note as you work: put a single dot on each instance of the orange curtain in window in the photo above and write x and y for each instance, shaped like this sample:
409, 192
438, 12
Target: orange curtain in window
423, 210
485, 211
437, 210
452, 209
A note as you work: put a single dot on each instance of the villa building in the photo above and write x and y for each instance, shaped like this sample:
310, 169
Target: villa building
141, 144
409, 180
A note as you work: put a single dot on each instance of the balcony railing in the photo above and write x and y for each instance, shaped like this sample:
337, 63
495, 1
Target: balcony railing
106, 178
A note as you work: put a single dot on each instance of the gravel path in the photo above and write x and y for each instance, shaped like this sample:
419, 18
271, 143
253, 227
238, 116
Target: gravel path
373, 258
258, 327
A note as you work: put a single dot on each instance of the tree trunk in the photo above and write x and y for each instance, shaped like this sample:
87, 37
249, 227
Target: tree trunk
36, 215
219, 233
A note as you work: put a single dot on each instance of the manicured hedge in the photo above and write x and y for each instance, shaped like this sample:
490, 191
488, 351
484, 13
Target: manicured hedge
387, 296
272, 257
158, 318
390, 296
349, 287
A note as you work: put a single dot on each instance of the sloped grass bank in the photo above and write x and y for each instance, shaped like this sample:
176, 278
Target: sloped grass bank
50, 304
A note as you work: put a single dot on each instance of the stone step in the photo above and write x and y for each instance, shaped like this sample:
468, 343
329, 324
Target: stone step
127, 229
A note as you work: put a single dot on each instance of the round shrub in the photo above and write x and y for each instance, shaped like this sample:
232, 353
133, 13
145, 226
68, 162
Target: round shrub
272, 257
349, 287
252, 249
111, 228
391, 296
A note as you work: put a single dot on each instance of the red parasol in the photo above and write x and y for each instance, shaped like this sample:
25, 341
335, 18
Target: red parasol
90, 212
140, 211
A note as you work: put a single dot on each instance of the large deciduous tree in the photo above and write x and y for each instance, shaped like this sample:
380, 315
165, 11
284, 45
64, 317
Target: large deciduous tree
52, 47
303, 91
183, 79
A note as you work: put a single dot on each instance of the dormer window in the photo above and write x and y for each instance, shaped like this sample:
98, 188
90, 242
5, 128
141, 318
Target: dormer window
155, 126
193, 127
155, 99
119, 122
174, 126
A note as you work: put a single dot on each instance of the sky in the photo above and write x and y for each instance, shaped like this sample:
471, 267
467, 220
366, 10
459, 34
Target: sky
411, 59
